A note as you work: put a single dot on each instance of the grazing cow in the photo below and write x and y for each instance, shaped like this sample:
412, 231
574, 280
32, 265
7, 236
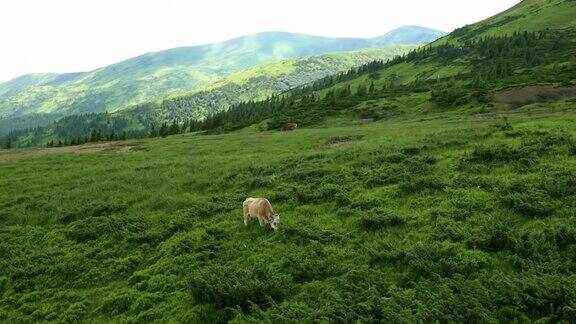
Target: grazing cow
262, 209
289, 127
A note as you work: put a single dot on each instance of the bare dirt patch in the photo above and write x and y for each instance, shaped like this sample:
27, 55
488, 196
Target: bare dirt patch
86, 148
517, 97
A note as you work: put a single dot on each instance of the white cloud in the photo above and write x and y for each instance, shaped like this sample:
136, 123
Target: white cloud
80, 35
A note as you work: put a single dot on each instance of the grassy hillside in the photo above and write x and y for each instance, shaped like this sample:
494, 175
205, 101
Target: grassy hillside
265, 80
24, 82
528, 15
155, 75
446, 217
257, 83
438, 187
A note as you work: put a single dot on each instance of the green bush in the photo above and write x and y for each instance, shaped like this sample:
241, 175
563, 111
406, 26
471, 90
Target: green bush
449, 96
495, 153
560, 184
236, 286
377, 218
314, 263
528, 200
444, 260
424, 183
3, 285
118, 302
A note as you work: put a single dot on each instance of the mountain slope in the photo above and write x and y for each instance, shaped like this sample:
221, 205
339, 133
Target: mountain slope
24, 82
460, 71
408, 35
407, 194
263, 81
528, 15
154, 75
257, 83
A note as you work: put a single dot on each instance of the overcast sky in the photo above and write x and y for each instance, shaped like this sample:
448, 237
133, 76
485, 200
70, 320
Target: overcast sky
81, 35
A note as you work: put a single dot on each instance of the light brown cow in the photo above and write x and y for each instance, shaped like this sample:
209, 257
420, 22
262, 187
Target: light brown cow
289, 127
262, 209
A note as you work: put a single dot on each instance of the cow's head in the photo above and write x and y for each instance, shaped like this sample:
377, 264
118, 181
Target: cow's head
275, 221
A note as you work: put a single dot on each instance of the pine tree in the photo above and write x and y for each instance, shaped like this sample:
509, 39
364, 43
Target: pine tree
163, 130
94, 136
174, 128
361, 91
8, 143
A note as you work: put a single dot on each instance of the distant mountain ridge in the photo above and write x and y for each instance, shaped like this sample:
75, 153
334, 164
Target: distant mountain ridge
154, 75
408, 35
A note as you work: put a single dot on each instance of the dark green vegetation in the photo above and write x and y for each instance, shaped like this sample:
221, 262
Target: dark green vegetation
438, 187
34, 100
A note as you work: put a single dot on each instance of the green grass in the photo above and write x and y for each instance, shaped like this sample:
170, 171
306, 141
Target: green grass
529, 15
440, 217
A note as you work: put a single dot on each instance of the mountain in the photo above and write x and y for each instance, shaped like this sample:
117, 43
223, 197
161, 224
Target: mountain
263, 81
484, 67
157, 74
408, 35
257, 83
24, 82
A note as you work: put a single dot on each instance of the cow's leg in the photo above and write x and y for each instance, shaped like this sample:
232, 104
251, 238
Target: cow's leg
261, 221
246, 215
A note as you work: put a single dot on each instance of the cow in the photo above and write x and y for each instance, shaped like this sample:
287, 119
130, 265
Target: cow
289, 127
262, 209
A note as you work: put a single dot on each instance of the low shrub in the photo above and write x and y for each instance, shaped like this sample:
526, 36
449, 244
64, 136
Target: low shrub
528, 200
93, 209
3, 285
411, 150
560, 184
444, 260
493, 234
118, 302
235, 286
378, 218
495, 153
572, 150
305, 232
314, 263
419, 184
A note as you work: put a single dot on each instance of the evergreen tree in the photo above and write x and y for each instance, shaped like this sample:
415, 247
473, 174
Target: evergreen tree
361, 91
94, 136
163, 130
7, 143
174, 128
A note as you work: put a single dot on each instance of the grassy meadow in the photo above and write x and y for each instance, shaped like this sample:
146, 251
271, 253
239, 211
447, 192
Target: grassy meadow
447, 216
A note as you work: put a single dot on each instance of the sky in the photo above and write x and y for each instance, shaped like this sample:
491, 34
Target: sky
40, 36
